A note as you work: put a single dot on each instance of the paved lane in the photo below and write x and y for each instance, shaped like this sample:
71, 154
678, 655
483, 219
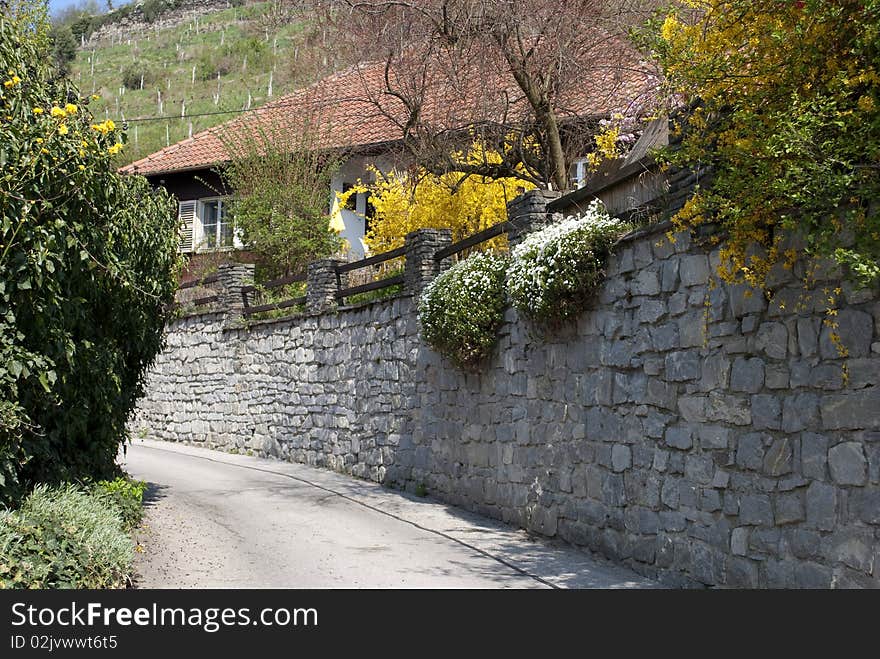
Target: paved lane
229, 521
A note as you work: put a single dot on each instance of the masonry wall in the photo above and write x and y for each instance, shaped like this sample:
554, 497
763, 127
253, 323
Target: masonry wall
695, 433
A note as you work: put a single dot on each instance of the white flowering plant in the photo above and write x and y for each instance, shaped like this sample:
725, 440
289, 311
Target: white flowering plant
462, 309
553, 271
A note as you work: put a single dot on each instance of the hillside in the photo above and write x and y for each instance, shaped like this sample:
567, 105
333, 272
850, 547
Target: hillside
196, 69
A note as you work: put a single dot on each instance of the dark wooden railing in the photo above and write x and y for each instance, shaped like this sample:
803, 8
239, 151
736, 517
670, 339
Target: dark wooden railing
364, 263
210, 279
247, 291
199, 301
471, 241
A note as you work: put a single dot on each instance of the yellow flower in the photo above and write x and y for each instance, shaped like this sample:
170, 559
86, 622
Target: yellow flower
104, 127
667, 31
39, 140
95, 97
866, 104
58, 112
82, 153
82, 166
38, 110
62, 129
44, 150
116, 148
8, 84
70, 108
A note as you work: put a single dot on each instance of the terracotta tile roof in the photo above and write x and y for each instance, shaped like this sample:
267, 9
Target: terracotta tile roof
350, 109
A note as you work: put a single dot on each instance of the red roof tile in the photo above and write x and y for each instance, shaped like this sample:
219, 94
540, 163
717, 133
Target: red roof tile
351, 109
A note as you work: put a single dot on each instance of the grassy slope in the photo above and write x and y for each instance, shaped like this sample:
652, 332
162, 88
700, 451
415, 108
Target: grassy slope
167, 58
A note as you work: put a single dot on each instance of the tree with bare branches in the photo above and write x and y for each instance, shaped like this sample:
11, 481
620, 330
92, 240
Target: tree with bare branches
532, 79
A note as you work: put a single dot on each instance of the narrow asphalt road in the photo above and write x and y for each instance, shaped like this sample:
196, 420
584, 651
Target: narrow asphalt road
216, 520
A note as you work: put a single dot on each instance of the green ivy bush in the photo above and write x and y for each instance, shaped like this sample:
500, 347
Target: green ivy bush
462, 309
64, 537
88, 262
554, 270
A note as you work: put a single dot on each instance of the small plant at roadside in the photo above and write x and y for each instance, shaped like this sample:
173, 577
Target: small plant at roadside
462, 309
554, 270
127, 496
65, 537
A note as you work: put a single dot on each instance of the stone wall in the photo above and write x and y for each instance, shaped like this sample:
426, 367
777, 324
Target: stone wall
131, 24
691, 431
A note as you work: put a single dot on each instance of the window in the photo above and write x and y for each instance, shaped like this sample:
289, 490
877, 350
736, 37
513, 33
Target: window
217, 230
186, 216
578, 173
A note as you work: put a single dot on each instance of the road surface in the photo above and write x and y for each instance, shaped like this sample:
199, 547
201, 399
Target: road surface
216, 520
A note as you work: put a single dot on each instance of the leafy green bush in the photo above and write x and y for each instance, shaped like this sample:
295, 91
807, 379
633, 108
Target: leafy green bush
553, 271
64, 537
152, 9
135, 75
462, 309
88, 264
279, 179
127, 496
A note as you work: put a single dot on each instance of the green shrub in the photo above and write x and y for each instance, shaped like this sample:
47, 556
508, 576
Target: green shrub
88, 264
554, 270
152, 9
462, 309
135, 74
64, 537
127, 496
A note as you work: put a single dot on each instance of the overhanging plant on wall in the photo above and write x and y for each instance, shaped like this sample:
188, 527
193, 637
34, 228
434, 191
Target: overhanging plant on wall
462, 309
553, 271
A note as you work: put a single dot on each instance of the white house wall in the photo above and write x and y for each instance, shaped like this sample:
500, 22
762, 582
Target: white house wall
353, 170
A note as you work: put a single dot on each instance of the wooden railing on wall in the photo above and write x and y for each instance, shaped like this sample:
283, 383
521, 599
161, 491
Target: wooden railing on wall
248, 292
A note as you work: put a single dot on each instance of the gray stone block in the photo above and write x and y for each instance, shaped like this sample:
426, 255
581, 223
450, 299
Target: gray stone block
766, 412
621, 457
778, 457
682, 366
855, 329
714, 437
814, 455
853, 410
742, 573
772, 340
739, 541
747, 375
848, 464
821, 503
755, 509
680, 438
789, 508
864, 505
694, 270
725, 408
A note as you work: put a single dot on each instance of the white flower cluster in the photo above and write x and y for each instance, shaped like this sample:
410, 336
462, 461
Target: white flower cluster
460, 310
553, 269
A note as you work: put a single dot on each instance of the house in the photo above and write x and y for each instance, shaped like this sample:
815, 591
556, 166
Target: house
350, 111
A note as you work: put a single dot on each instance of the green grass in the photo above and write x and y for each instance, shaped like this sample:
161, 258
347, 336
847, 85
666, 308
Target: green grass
220, 41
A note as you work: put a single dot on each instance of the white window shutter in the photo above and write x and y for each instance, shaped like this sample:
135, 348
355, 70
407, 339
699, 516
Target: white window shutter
186, 215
